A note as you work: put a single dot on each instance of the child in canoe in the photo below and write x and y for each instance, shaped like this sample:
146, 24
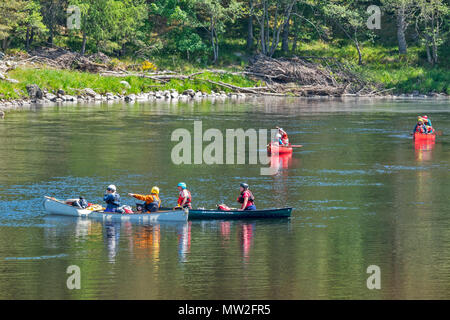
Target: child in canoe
184, 197
152, 201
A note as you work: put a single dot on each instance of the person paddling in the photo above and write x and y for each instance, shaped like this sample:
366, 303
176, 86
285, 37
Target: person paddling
426, 121
282, 137
184, 197
152, 201
420, 127
112, 199
246, 198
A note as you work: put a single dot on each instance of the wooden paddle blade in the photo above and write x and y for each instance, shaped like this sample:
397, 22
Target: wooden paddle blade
296, 146
439, 133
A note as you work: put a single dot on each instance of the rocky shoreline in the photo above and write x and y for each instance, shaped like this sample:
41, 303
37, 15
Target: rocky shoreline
38, 97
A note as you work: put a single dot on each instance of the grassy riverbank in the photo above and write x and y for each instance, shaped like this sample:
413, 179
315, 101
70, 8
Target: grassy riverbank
402, 74
73, 81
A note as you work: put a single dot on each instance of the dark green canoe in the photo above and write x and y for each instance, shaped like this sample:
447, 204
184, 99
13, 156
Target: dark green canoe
197, 214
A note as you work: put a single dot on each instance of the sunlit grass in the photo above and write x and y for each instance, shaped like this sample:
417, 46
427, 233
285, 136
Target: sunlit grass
72, 82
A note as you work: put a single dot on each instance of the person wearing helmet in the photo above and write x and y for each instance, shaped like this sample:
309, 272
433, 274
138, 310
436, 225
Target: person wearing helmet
246, 198
426, 121
184, 197
112, 199
420, 127
152, 201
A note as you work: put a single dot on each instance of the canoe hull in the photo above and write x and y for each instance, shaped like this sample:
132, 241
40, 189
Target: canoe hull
422, 137
58, 208
276, 149
200, 214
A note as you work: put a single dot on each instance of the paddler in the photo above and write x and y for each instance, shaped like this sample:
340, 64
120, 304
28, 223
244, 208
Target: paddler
184, 197
112, 199
282, 137
427, 121
152, 201
246, 198
420, 127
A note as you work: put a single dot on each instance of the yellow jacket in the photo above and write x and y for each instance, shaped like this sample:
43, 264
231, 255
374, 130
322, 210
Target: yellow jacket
148, 198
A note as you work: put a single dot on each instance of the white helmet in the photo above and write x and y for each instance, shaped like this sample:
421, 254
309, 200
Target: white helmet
112, 187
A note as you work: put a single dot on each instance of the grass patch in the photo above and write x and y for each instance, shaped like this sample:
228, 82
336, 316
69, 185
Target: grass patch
72, 82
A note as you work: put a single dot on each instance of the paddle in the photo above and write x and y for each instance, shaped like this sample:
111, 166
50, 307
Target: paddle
296, 146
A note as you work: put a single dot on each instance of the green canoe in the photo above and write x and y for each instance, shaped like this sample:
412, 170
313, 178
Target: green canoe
199, 214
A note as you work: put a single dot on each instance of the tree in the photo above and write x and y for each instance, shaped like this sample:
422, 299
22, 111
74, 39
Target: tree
350, 17
106, 20
403, 10
54, 14
271, 16
212, 15
429, 26
33, 21
11, 14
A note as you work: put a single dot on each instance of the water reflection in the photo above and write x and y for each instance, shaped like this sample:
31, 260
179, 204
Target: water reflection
423, 150
184, 241
246, 239
111, 237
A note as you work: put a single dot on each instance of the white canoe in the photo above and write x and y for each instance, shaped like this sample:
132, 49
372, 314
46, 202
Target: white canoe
57, 207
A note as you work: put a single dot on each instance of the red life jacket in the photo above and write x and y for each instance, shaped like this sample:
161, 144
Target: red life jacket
251, 198
180, 198
420, 129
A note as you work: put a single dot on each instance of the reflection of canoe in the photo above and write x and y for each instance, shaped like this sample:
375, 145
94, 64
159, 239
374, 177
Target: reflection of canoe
275, 148
234, 214
419, 137
56, 207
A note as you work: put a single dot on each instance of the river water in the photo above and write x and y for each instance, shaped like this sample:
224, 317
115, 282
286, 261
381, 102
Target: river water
363, 194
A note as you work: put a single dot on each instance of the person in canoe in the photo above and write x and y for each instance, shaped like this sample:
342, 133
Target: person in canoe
428, 126
184, 197
152, 201
112, 199
427, 121
282, 137
420, 126
246, 198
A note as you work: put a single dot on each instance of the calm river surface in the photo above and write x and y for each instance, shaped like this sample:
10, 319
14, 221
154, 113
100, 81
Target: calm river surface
363, 194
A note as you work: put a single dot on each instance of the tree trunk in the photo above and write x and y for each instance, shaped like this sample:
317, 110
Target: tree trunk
5, 44
27, 39
434, 47
83, 46
250, 28
31, 36
285, 37
401, 27
359, 52
429, 59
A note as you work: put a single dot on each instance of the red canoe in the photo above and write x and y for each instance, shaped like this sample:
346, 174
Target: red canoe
275, 148
419, 137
